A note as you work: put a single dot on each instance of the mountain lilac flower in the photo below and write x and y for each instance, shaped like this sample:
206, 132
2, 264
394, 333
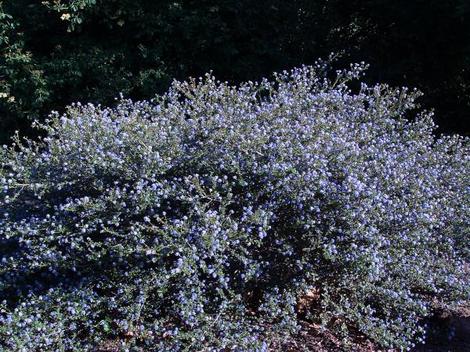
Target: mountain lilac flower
196, 220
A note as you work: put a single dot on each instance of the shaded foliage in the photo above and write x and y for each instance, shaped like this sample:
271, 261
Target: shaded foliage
57, 52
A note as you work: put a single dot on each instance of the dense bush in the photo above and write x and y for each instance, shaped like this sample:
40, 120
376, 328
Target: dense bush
195, 221
56, 52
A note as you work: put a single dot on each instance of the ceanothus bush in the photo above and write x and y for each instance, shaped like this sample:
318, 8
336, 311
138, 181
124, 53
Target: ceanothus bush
195, 221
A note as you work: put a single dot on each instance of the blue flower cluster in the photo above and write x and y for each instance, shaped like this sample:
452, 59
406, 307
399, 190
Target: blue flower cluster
197, 220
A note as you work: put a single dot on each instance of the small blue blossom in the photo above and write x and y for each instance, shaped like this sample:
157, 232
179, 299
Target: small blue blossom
163, 225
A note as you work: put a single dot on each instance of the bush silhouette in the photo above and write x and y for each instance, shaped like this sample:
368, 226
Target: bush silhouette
196, 220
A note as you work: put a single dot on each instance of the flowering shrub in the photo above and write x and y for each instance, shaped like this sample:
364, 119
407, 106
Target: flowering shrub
195, 221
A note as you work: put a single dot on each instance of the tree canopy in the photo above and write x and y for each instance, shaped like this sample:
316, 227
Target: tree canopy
57, 52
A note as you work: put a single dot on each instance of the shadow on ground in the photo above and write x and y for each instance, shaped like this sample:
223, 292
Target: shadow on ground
448, 333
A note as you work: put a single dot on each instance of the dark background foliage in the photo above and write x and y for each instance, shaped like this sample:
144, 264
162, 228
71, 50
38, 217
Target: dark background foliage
57, 52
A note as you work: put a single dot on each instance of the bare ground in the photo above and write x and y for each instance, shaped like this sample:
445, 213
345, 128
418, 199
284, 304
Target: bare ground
448, 332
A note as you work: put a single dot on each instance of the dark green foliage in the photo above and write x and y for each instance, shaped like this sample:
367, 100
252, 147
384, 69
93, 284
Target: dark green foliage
56, 52
422, 43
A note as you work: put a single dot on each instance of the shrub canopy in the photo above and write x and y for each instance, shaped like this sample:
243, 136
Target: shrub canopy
195, 221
